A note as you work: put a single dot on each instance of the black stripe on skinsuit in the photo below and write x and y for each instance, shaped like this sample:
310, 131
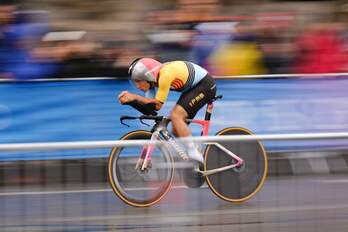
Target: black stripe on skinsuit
190, 78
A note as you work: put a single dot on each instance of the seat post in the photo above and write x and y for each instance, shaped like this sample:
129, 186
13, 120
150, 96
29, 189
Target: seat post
210, 107
209, 111
207, 117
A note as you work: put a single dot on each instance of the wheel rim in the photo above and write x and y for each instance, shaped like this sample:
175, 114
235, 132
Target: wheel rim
140, 189
243, 182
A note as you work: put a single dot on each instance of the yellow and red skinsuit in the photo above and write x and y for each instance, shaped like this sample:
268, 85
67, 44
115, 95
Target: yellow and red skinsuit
178, 76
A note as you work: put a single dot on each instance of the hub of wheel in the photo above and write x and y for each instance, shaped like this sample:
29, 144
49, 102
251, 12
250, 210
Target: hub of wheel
239, 168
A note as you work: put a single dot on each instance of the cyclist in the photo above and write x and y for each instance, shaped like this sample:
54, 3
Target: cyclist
197, 88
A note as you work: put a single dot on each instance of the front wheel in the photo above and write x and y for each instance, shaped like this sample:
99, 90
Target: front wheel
236, 184
135, 187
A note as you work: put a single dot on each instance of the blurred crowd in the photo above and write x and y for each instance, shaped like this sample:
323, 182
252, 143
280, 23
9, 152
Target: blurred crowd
205, 32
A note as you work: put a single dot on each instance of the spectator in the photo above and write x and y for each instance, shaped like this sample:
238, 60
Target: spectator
75, 55
320, 50
209, 37
21, 32
240, 57
275, 42
6, 20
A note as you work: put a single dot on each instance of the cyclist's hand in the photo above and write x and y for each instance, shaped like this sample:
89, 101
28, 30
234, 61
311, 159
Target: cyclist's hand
125, 97
122, 97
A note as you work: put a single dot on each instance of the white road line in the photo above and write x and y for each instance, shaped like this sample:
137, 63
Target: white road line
78, 191
54, 192
336, 181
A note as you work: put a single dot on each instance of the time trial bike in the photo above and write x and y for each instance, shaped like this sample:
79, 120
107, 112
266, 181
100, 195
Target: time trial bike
142, 175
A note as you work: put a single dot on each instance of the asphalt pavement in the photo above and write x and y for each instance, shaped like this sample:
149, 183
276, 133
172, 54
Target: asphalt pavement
315, 203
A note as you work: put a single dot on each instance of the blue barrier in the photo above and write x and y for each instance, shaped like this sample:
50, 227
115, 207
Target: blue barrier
84, 110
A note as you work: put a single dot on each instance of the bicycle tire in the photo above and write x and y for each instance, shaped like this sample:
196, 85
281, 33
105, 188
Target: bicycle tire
121, 171
239, 184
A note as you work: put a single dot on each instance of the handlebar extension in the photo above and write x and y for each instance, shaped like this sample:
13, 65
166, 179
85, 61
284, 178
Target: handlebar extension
141, 118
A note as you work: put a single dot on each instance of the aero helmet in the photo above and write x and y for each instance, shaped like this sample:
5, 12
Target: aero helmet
144, 69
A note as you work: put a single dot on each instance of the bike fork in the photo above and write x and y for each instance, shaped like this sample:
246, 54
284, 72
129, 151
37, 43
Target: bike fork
145, 158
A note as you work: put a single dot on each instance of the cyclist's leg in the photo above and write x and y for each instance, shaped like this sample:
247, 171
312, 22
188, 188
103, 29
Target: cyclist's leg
181, 129
194, 99
178, 117
189, 103
191, 178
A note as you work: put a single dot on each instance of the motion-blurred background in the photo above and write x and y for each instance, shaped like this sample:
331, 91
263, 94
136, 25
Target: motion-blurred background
259, 51
83, 38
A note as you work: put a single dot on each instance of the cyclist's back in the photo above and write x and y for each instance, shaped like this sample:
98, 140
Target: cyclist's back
182, 75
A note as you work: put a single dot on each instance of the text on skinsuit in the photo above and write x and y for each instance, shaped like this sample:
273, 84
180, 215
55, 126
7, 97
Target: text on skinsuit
196, 99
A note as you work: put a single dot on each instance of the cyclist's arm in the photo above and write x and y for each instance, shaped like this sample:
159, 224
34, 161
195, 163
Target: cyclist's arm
164, 82
125, 97
145, 100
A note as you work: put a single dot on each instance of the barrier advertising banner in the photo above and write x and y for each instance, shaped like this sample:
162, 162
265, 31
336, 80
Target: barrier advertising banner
86, 110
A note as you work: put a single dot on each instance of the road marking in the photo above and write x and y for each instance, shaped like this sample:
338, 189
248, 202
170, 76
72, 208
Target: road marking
336, 181
54, 192
81, 191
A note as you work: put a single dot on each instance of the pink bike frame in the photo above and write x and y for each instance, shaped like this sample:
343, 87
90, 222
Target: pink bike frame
147, 150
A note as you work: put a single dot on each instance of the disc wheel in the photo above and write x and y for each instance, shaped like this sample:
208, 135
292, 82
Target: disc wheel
240, 183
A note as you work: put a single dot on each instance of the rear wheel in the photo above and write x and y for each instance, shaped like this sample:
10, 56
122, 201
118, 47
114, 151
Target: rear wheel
236, 184
135, 187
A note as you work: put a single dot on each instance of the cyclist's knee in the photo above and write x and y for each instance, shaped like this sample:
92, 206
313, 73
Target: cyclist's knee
176, 116
178, 113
